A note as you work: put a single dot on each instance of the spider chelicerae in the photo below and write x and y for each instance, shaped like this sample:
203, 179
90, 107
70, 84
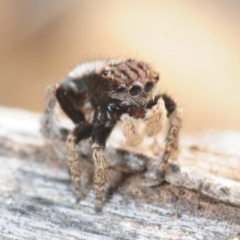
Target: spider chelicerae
95, 96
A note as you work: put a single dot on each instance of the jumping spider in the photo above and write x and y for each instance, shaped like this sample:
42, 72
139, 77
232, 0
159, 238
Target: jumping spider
95, 96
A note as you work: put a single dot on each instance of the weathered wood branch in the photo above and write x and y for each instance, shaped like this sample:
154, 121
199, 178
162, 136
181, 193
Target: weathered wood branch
200, 201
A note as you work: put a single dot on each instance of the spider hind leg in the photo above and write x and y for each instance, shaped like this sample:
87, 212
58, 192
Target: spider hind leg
49, 127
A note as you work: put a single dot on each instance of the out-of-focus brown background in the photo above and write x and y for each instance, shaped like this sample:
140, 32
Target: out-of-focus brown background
194, 44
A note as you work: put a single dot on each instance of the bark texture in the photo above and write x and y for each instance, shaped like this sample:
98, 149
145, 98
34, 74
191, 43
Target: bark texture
200, 200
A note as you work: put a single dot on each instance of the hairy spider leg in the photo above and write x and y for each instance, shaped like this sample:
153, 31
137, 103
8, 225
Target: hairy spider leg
99, 137
155, 116
48, 121
80, 132
174, 113
64, 93
67, 94
132, 129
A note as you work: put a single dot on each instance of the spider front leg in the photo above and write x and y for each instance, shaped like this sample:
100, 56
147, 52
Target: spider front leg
160, 107
155, 117
99, 137
171, 143
82, 131
67, 93
132, 129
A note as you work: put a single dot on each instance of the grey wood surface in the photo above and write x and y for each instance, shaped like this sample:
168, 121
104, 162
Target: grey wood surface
200, 200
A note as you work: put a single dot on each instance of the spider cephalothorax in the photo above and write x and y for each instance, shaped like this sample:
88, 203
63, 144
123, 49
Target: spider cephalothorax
95, 96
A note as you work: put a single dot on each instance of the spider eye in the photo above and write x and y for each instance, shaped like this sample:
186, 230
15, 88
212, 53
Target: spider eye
105, 72
156, 78
121, 89
136, 89
148, 86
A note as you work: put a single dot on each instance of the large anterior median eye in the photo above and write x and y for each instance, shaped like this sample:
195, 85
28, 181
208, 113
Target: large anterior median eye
135, 89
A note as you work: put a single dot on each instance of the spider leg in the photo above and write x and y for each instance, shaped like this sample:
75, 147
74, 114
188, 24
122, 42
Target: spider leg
99, 137
174, 113
163, 106
49, 126
65, 94
80, 132
132, 129
155, 117
69, 93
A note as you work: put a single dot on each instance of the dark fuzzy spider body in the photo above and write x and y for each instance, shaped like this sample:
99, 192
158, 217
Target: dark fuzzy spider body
95, 96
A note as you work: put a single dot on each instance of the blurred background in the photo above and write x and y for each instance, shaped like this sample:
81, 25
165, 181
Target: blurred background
194, 44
